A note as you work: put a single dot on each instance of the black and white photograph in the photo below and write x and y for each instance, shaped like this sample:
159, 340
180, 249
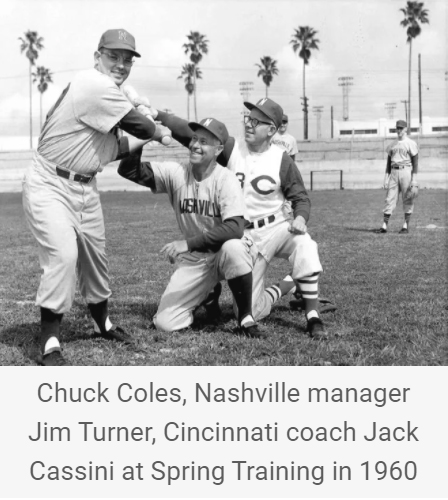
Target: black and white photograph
224, 183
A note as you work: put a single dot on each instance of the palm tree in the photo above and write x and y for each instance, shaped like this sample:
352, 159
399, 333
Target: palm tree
303, 41
189, 72
268, 68
414, 13
31, 43
43, 76
196, 46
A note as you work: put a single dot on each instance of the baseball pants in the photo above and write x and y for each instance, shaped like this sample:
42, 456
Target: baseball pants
277, 242
399, 182
66, 220
197, 274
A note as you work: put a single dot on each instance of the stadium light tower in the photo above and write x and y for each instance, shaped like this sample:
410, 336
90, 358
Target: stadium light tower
345, 82
405, 102
245, 90
390, 107
317, 110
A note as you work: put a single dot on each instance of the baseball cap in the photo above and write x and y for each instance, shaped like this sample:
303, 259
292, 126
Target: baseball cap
401, 124
118, 39
213, 126
285, 119
268, 107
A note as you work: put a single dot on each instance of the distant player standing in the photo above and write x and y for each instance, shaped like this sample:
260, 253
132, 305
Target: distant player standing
400, 176
284, 140
209, 208
60, 197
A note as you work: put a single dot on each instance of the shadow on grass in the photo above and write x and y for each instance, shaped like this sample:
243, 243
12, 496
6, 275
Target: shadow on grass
363, 230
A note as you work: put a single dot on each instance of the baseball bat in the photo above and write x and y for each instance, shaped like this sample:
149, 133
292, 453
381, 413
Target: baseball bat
133, 97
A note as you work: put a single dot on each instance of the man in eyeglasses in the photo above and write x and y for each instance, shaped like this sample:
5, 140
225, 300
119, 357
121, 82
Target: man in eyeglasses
270, 179
61, 201
284, 140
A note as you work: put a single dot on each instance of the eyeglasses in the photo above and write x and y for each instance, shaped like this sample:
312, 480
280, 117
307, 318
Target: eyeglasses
115, 59
253, 122
284, 123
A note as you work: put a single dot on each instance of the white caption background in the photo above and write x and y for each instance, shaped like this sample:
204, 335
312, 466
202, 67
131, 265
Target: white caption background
426, 408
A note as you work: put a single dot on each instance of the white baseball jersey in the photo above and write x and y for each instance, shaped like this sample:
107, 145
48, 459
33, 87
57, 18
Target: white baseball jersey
400, 152
259, 175
199, 206
78, 133
286, 142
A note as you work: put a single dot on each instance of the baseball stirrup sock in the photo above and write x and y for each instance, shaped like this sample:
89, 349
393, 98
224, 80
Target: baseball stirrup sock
285, 286
50, 330
407, 218
241, 288
309, 289
100, 315
386, 220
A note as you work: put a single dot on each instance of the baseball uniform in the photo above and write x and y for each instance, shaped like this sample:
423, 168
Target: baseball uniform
286, 142
400, 153
200, 208
268, 181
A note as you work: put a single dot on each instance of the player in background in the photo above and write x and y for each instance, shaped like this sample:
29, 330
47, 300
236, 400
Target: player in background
269, 179
60, 196
400, 177
284, 140
209, 208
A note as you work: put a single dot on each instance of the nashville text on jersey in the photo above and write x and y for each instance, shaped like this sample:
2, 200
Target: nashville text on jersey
201, 207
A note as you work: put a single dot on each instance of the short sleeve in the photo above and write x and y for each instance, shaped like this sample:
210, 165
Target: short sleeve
413, 148
165, 175
231, 201
98, 102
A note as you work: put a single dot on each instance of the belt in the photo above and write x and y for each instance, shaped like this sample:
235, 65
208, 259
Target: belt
257, 224
399, 167
85, 179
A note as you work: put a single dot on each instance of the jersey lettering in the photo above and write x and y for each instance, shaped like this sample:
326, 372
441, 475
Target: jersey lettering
200, 207
241, 178
257, 180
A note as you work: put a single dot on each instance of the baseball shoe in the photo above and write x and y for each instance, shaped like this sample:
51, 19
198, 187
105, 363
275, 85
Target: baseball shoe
54, 358
381, 231
316, 329
403, 230
115, 333
211, 305
252, 330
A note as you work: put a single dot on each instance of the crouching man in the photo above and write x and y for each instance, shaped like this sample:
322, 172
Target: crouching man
209, 208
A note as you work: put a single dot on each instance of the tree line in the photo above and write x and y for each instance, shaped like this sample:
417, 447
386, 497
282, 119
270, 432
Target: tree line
303, 42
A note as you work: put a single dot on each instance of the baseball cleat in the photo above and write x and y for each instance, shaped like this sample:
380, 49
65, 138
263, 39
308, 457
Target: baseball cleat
316, 329
54, 358
403, 230
211, 304
115, 333
252, 330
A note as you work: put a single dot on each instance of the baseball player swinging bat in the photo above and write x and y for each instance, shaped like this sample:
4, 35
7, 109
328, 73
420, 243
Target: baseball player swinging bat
143, 106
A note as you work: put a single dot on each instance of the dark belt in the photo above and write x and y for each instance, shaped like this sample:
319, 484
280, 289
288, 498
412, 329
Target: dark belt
399, 167
261, 222
85, 179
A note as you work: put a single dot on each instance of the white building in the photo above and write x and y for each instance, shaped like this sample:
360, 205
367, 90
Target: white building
386, 128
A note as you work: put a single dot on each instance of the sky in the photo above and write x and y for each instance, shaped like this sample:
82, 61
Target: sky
359, 39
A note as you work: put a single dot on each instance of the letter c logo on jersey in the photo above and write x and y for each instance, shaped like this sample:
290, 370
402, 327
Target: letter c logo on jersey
259, 180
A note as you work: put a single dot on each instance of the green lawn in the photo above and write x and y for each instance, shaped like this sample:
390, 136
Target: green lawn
391, 290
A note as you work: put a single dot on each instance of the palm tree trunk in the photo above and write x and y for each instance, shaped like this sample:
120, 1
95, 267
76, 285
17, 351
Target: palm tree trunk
195, 105
305, 107
409, 85
31, 109
188, 105
41, 95
266, 90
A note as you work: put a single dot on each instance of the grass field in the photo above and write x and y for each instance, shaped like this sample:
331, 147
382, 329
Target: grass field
390, 289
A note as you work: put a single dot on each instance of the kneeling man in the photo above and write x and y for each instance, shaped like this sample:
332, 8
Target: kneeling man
209, 208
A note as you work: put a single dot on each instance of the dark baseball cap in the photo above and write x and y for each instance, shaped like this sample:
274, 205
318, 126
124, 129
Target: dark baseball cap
285, 119
215, 127
118, 39
401, 124
269, 108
